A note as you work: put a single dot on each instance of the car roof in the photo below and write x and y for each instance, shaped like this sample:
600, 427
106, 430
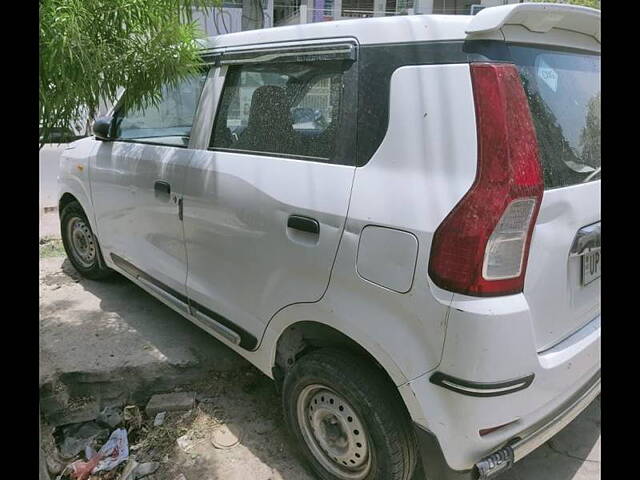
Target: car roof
376, 30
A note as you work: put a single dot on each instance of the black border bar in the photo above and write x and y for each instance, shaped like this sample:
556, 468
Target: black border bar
481, 389
247, 340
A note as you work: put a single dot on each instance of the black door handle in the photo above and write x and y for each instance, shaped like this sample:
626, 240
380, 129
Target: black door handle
162, 190
304, 224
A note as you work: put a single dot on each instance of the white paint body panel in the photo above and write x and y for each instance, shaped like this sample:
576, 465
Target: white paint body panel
244, 262
73, 174
387, 257
518, 33
406, 28
131, 221
559, 303
408, 171
538, 18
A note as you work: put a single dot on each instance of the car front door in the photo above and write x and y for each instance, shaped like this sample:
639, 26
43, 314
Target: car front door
265, 204
136, 181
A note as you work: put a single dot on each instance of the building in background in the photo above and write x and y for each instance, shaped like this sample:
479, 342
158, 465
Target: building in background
229, 17
239, 15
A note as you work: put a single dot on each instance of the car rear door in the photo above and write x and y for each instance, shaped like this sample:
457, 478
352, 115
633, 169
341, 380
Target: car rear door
562, 285
265, 202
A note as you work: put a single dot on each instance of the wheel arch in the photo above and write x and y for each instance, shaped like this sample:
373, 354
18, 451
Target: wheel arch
304, 336
68, 195
65, 200
301, 335
299, 338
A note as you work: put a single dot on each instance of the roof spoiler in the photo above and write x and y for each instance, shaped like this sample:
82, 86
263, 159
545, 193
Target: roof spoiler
538, 17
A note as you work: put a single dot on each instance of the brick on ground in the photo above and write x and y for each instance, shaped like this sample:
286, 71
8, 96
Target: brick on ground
168, 402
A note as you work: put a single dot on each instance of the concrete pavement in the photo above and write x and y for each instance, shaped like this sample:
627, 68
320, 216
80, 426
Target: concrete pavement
110, 337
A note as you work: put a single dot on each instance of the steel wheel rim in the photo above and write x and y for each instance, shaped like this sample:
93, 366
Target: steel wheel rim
82, 242
334, 432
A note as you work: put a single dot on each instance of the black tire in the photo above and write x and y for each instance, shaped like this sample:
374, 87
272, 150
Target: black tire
90, 265
390, 439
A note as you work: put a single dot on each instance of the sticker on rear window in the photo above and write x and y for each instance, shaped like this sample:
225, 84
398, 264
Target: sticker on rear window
547, 74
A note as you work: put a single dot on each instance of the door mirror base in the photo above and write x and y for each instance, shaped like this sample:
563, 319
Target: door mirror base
102, 128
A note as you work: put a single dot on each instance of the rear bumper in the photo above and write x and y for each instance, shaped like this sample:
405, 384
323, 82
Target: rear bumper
498, 404
528, 441
434, 465
538, 435
515, 449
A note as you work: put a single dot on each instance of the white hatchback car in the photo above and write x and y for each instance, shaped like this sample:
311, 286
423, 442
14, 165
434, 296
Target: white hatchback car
397, 219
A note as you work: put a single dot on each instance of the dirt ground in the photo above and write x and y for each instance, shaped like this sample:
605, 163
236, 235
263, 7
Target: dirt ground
113, 342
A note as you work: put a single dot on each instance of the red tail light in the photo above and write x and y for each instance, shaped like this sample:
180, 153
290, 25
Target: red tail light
481, 247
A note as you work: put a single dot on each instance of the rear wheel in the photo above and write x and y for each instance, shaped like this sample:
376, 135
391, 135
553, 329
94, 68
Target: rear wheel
81, 244
348, 419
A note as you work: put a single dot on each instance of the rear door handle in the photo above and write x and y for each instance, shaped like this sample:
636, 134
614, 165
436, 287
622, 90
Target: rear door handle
162, 190
304, 224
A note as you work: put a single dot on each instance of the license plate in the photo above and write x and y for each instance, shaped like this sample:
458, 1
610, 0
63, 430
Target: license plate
591, 263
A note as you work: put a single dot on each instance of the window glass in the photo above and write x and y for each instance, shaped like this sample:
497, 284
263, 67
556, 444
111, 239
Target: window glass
563, 89
169, 121
284, 108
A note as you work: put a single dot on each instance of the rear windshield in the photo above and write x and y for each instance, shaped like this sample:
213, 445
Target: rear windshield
563, 88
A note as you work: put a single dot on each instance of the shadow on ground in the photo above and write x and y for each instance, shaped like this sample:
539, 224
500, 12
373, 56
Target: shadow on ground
113, 335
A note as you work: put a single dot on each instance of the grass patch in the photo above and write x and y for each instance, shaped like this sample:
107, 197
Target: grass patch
51, 247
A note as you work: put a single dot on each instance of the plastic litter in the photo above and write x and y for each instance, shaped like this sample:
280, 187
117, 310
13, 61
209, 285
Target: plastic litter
114, 452
159, 420
112, 417
78, 436
80, 470
89, 452
184, 442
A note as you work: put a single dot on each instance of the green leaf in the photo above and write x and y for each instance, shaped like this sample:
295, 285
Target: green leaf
89, 49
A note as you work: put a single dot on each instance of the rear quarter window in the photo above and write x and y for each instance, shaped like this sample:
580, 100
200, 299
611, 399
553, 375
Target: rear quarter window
563, 89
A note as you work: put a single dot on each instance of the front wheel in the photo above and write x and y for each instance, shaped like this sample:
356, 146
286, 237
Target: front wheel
348, 419
81, 244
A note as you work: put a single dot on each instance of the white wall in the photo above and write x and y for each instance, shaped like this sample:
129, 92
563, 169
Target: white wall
219, 21
48, 166
423, 6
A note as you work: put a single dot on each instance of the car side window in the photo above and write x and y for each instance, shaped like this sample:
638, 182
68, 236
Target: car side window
290, 109
168, 122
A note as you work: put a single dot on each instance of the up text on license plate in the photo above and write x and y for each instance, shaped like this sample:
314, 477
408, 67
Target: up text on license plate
591, 263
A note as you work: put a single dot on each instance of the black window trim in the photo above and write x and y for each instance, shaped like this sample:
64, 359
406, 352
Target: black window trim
248, 341
345, 152
333, 48
287, 156
141, 142
310, 53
